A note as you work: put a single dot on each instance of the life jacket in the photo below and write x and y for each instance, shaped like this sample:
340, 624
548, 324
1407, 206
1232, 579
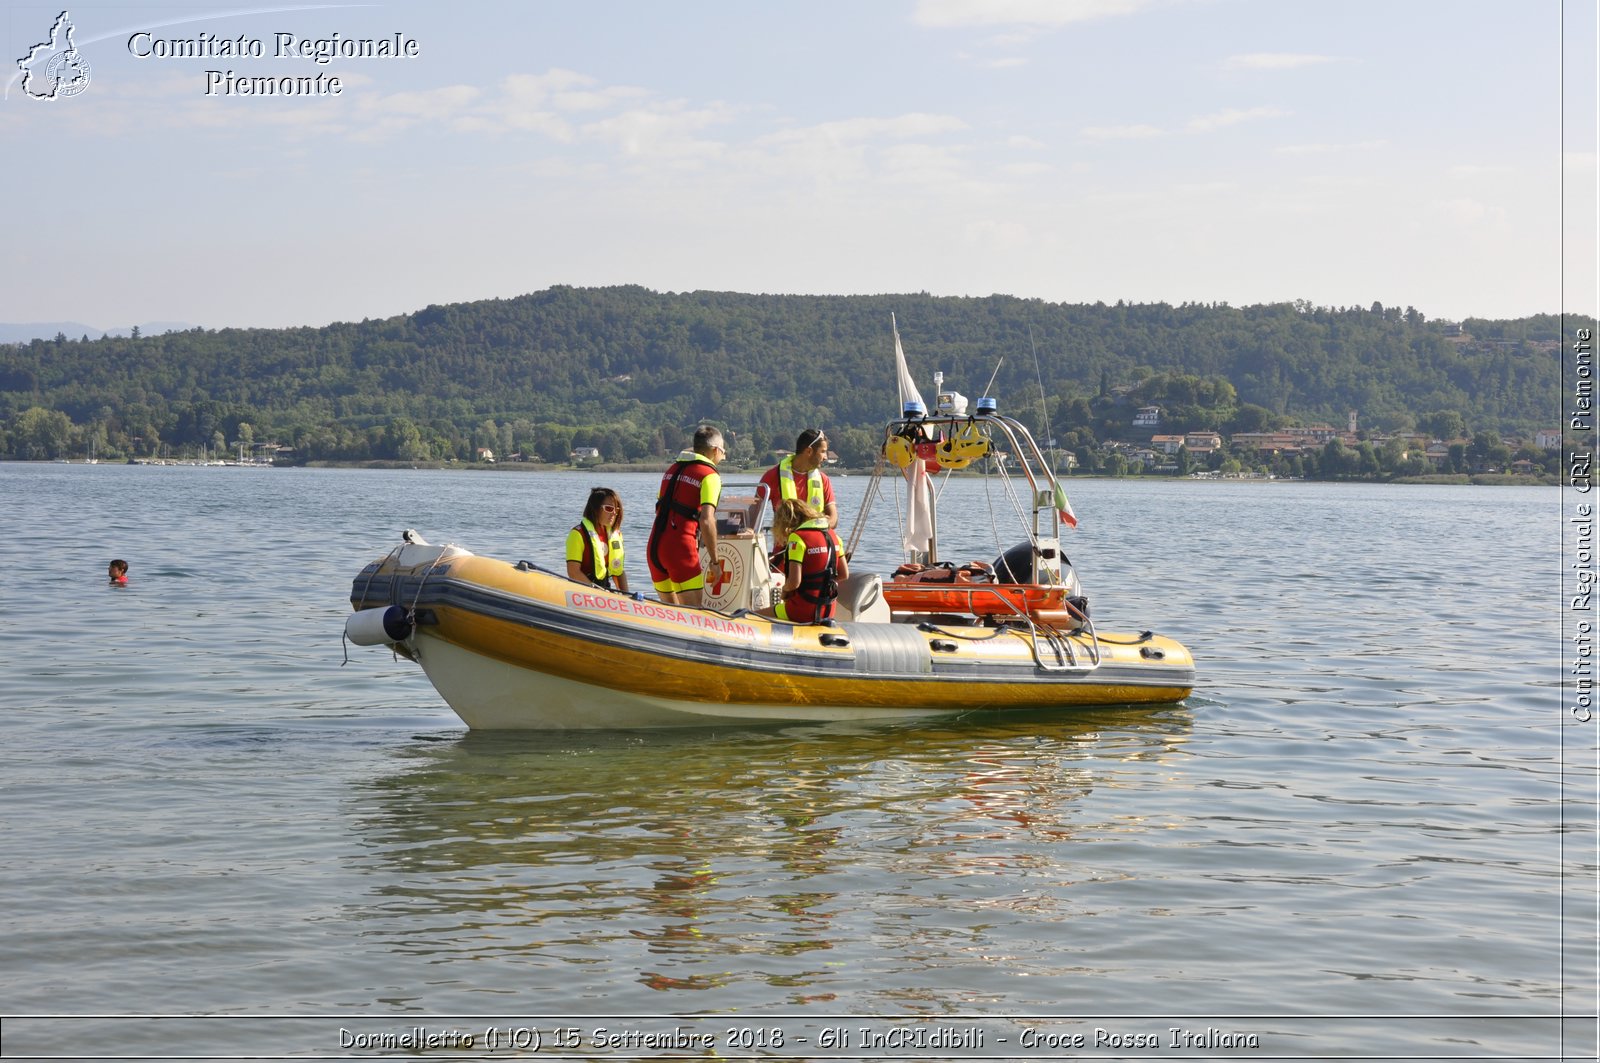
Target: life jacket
819, 575
814, 497
596, 548
678, 503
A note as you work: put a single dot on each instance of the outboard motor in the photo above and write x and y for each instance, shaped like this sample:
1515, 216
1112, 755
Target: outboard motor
1016, 565
1040, 563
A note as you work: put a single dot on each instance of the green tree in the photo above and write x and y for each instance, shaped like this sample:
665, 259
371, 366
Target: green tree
42, 433
406, 442
1251, 418
1443, 424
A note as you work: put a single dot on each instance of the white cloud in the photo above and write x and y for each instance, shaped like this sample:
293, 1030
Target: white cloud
1122, 132
853, 157
1209, 123
428, 105
378, 116
662, 131
1330, 149
998, 236
944, 14
1467, 212
1208, 188
855, 130
1275, 61
537, 88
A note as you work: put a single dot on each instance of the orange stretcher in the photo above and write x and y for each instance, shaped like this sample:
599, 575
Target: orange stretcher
977, 599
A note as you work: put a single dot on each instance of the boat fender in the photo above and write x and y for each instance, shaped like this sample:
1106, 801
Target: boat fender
378, 627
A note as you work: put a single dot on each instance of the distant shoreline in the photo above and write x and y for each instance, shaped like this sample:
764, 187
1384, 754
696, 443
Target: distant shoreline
606, 468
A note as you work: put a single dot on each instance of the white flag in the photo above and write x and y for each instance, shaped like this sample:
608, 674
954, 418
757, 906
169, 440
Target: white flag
908, 387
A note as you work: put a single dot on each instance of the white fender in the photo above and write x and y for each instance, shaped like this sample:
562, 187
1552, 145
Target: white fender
381, 626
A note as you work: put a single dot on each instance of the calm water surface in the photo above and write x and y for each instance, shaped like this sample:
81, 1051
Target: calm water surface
1369, 833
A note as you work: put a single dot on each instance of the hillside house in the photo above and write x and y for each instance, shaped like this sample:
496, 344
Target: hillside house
1270, 442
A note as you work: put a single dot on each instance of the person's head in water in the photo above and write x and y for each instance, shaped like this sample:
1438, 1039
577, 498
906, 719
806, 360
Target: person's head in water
118, 571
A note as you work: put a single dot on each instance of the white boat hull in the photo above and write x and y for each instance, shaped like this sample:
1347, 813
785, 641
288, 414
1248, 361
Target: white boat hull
493, 695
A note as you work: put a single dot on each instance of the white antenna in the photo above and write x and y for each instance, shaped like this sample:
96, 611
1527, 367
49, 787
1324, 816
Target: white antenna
1044, 403
992, 375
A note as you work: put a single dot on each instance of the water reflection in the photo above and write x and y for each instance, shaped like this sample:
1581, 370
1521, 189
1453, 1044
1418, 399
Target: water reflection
696, 860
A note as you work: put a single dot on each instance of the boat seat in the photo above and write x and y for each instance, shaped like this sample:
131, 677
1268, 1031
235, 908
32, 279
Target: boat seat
861, 598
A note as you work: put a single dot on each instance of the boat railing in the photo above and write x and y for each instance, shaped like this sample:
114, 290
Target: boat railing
1063, 654
1042, 485
1062, 648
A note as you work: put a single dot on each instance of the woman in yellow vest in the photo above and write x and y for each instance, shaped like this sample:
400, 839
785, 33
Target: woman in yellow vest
594, 546
813, 563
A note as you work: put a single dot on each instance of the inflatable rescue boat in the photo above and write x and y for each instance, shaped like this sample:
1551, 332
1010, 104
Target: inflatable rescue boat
517, 647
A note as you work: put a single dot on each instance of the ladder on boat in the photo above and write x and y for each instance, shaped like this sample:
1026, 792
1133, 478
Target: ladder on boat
1054, 650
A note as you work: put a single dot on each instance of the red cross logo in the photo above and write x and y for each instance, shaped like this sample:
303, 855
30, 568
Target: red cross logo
720, 576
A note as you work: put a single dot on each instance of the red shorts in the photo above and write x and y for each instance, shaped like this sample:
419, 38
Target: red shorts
679, 562
797, 610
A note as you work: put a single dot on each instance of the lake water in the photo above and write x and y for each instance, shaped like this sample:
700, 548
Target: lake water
1369, 834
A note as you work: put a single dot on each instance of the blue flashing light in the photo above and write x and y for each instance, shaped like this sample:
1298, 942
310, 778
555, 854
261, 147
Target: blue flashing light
915, 410
988, 404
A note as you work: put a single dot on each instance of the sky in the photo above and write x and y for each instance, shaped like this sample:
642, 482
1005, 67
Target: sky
1438, 154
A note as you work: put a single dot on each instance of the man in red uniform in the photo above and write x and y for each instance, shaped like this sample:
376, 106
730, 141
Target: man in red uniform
686, 520
801, 476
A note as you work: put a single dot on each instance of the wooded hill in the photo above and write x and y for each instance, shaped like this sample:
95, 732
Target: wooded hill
631, 371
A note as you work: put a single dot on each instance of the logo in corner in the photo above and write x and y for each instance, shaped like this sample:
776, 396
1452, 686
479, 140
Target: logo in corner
55, 68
